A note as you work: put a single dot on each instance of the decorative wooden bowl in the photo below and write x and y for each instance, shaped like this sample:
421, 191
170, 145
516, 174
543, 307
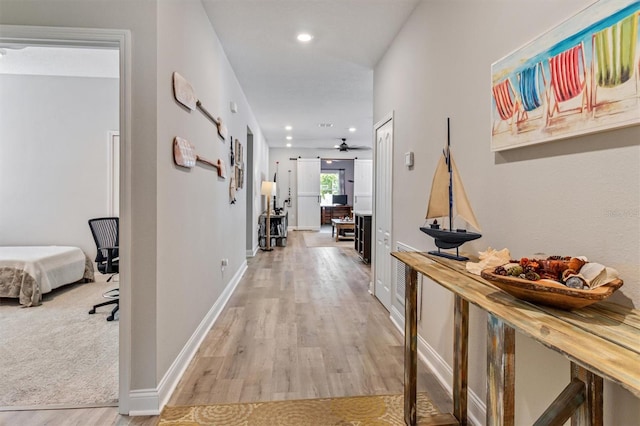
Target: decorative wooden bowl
549, 293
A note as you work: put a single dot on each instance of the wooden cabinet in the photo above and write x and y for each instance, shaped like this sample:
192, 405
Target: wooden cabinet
333, 212
278, 230
363, 235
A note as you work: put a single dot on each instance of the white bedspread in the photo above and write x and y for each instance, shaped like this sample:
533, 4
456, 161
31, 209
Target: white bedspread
49, 266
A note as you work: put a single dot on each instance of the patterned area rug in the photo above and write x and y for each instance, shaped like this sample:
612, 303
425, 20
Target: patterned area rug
56, 354
359, 410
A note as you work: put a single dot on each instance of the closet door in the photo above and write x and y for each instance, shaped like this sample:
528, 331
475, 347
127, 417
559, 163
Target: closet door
382, 216
362, 185
308, 194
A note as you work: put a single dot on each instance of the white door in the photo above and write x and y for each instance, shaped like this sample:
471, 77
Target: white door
309, 194
382, 212
362, 185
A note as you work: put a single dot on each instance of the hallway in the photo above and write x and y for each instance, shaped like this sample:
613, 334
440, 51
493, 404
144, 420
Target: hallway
301, 324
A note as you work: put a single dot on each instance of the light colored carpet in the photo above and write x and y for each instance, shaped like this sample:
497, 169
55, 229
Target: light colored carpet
359, 410
56, 354
324, 239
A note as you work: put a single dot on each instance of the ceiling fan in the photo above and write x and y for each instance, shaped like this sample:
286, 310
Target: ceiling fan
343, 147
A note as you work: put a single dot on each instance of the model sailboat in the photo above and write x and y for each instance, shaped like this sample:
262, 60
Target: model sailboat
446, 191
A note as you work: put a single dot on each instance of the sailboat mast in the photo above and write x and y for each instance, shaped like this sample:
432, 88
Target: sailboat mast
448, 156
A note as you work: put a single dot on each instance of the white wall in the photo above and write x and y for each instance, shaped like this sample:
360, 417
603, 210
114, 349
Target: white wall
54, 157
284, 155
197, 226
572, 197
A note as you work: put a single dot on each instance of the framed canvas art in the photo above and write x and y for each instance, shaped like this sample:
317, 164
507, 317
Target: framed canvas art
582, 76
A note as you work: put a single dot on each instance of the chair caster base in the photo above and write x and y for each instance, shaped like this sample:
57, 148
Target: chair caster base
110, 318
93, 311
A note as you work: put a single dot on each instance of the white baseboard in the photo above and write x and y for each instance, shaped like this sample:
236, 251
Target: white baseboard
476, 408
150, 402
144, 402
397, 318
252, 253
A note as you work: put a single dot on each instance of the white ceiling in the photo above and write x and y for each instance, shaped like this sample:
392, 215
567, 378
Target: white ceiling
329, 80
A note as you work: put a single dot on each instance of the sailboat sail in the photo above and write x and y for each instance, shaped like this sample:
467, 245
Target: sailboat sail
462, 204
439, 198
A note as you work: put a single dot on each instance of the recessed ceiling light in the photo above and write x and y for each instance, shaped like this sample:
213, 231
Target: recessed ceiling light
325, 125
352, 129
305, 37
288, 145
289, 138
288, 127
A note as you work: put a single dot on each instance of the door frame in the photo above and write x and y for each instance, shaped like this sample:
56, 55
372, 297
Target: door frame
251, 239
121, 39
113, 170
374, 225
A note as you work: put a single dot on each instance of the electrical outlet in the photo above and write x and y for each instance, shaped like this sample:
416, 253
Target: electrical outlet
225, 262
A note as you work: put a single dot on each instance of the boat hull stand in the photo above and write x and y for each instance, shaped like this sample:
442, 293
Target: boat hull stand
446, 239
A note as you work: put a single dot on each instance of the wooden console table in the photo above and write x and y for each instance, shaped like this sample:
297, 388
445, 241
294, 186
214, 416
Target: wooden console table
601, 341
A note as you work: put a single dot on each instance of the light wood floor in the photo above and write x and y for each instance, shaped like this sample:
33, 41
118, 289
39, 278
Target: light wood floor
301, 324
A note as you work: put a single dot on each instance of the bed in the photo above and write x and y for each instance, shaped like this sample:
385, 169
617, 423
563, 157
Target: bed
28, 272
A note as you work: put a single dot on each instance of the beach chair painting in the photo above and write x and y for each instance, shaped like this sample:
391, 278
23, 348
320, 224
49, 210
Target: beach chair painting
613, 65
583, 76
506, 105
532, 85
568, 81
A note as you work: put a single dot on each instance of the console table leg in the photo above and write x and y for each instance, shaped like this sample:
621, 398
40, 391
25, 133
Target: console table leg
590, 412
460, 358
501, 345
410, 345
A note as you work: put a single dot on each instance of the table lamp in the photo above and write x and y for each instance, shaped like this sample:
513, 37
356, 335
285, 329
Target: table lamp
268, 189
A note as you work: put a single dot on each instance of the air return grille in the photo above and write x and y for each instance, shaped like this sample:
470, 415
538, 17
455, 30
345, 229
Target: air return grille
400, 269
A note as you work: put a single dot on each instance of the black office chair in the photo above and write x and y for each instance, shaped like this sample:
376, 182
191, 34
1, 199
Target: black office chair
105, 235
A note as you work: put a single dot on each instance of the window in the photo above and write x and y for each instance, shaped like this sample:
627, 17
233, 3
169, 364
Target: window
331, 182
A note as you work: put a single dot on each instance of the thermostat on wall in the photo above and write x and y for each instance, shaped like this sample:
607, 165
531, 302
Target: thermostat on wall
408, 159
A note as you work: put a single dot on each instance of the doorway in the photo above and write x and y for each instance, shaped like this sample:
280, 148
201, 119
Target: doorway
120, 41
336, 181
382, 217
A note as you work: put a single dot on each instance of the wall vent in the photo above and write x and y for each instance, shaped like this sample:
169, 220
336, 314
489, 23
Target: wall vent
400, 269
